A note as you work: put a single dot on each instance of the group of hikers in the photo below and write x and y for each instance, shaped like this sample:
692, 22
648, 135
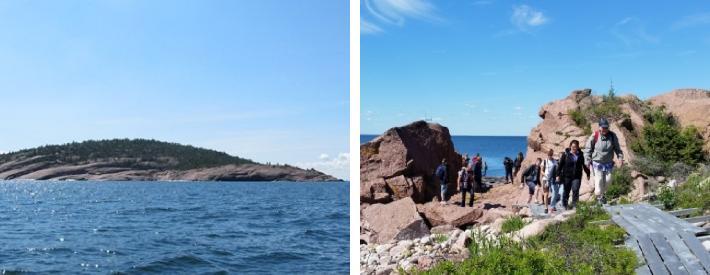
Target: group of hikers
560, 176
468, 178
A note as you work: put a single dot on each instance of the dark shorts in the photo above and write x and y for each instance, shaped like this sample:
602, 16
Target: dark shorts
531, 187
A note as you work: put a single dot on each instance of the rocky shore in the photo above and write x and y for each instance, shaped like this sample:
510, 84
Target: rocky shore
403, 225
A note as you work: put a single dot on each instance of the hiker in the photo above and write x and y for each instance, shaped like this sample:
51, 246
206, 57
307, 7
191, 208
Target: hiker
549, 167
477, 166
517, 163
569, 173
442, 175
599, 154
531, 177
465, 181
508, 164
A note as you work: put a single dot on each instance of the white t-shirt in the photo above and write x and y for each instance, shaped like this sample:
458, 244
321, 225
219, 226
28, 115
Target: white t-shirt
549, 166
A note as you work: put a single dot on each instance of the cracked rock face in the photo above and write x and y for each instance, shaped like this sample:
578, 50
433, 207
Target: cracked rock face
398, 220
401, 163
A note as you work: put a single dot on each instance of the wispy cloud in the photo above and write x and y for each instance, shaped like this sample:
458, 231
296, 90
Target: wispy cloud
691, 21
366, 27
525, 18
686, 53
631, 32
394, 12
369, 115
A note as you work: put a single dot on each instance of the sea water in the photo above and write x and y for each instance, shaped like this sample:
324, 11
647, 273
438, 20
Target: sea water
174, 227
493, 149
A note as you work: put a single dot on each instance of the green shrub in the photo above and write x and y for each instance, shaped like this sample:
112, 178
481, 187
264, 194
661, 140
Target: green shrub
578, 117
512, 224
649, 166
621, 182
666, 195
440, 238
663, 139
695, 191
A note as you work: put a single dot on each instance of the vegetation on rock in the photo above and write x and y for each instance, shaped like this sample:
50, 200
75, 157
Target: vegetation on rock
571, 247
621, 182
693, 193
511, 224
130, 152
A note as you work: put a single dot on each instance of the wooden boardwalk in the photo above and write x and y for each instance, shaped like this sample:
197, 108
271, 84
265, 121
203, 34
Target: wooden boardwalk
667, 244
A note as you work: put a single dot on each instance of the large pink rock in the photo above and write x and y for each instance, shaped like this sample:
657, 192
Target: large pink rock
398, 220
454, 215
402, 161
557, 129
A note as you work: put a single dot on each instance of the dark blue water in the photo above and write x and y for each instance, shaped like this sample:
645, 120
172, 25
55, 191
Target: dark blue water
174, 227
492, 149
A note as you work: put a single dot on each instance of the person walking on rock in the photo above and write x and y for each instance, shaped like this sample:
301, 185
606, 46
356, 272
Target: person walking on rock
599, 153
508, 164
464, 182
569, 173
477, 167
531, 177
517, 163
442, 175
549, 167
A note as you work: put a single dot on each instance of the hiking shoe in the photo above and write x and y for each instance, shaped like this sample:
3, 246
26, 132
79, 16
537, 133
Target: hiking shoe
545, 211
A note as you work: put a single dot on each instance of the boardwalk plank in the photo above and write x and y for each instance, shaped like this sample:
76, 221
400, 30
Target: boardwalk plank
670, 259
691, 263
697, 248
654, 261
670, 220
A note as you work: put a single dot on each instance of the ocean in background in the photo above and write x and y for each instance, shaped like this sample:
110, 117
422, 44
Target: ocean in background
174, 227
492, 148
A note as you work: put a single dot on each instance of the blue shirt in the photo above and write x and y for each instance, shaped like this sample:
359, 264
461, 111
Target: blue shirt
604, 167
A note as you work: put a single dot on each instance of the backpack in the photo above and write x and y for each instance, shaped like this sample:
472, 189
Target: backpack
464, 178
596, 137
440, 172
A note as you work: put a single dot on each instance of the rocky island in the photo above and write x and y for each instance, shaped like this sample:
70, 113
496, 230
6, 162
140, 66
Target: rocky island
142, 160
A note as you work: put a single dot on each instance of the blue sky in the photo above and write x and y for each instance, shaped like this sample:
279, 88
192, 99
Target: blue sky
485, 67
266, 80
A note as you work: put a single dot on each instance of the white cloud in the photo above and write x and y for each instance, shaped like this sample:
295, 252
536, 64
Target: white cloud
691, 21
518, 108
631, 32
525, 17
337, 166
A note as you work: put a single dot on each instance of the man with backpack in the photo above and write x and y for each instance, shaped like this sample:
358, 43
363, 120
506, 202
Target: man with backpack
569, 173
465, 181
599, 154
442, 175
